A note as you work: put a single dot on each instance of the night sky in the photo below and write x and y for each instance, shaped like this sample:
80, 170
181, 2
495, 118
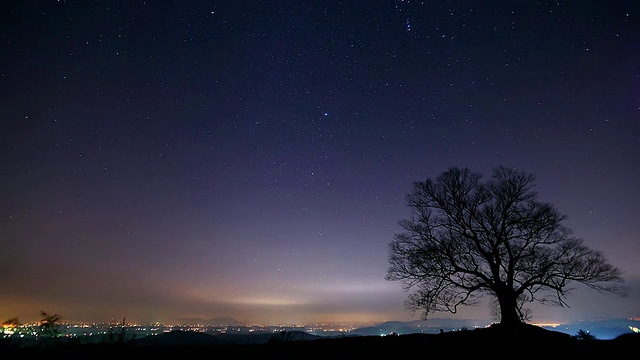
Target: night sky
173, 159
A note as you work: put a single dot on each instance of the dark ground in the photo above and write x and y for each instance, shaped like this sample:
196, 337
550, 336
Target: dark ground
530, 342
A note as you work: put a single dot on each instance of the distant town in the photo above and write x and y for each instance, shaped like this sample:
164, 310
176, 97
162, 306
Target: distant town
100, 330
124, 331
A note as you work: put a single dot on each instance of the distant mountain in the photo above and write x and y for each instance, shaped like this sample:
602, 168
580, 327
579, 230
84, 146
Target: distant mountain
219, 321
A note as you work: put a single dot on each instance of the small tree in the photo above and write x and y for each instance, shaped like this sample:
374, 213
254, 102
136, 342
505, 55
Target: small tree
467, 238
50, 327
10, 323
584, 335
8, 328
117, 334
285, 336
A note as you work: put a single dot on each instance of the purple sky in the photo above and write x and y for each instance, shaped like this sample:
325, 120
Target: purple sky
173, 159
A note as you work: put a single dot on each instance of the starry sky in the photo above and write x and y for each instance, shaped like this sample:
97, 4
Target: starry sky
173, 159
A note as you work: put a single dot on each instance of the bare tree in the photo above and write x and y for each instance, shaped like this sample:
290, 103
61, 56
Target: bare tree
467, 238
50, 327
117, 334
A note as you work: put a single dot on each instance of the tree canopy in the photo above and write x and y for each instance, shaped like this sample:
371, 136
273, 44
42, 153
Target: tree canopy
467, 238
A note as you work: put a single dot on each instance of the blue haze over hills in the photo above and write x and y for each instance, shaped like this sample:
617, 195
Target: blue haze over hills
604, 329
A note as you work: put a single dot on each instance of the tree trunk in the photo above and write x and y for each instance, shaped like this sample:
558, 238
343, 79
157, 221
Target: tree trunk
508, 308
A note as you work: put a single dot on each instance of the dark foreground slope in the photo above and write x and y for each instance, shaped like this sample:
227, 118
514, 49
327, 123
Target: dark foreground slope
528, 342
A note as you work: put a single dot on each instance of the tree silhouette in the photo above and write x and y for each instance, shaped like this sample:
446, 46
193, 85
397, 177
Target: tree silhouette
584, 335
11, 323
8, 327
50, 327
286, 336
467, 238
117, 334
